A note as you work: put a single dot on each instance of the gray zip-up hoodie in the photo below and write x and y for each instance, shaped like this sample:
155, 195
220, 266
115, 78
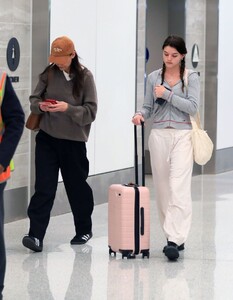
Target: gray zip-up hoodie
175, 111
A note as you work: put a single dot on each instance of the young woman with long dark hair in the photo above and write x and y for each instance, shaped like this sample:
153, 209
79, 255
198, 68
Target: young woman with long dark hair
170, 103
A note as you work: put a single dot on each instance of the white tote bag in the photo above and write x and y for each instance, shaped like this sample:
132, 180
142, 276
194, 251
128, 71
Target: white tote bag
202, 144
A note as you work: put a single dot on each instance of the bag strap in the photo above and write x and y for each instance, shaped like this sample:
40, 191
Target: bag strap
196, 120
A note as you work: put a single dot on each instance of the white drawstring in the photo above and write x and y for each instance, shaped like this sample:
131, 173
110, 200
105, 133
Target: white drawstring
171, 146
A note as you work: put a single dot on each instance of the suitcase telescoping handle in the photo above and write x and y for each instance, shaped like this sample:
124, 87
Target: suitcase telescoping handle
136, 155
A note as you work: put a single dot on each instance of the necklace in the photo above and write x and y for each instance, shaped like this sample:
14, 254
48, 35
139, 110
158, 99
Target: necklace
171, 79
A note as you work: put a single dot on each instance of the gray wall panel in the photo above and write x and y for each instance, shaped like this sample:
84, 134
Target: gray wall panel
15, 204
211, 83
223, 160
16, 22
40, 52
176, 17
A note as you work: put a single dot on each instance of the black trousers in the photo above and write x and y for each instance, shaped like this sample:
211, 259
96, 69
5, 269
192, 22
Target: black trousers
70, 157
2, 243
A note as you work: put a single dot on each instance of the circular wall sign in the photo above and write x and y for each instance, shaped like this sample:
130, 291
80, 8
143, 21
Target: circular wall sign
13, 54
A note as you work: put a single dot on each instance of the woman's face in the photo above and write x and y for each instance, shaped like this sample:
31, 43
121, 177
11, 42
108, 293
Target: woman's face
66, 66
171, 57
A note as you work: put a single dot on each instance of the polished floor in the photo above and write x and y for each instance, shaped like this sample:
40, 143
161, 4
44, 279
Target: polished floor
203, 272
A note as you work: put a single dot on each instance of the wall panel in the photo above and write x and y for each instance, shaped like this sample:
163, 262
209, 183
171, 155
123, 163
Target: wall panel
105, 39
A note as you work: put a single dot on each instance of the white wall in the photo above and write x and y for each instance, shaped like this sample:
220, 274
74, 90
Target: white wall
104, 33
225, 67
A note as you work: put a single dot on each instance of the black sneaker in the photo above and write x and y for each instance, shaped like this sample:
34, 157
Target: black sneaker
171, 251
81, 239
180, 248
32, 243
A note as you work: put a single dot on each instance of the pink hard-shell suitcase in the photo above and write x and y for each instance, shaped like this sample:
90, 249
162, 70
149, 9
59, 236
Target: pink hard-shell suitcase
129, 214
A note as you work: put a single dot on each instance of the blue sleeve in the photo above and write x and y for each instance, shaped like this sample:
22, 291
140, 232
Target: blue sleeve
13, 118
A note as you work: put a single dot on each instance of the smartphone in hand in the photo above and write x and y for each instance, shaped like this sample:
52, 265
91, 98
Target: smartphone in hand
160, 101
52, 101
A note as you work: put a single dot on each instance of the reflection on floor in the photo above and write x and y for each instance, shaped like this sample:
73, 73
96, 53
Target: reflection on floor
61, 271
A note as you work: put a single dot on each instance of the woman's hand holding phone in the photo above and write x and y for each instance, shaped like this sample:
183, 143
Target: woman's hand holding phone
52, 101
51, 105
47, 104
159, 90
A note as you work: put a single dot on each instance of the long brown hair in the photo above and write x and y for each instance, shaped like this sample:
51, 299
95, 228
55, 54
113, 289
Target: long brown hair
179, 44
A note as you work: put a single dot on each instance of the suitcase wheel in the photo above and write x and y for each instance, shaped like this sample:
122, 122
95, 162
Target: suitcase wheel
127, 254
145, 253
111, 252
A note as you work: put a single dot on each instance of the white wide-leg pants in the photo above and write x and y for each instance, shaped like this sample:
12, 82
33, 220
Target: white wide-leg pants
171, 155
